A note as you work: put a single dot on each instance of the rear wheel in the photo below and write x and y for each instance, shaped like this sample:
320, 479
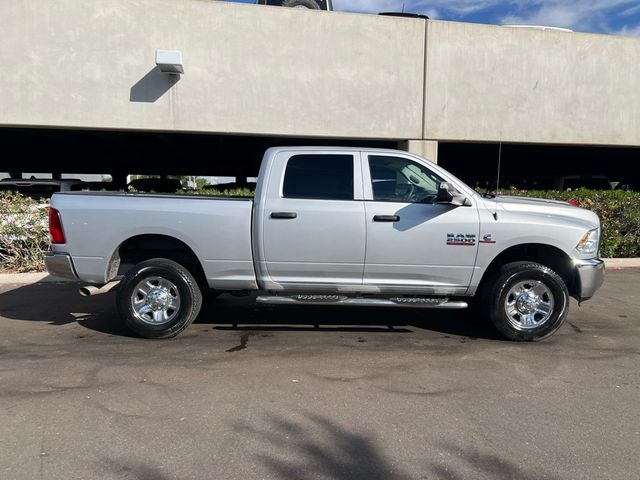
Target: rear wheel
526, 301
312, 4
158, 298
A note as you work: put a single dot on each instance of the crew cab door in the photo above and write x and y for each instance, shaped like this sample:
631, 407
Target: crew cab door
414, 244
313, 231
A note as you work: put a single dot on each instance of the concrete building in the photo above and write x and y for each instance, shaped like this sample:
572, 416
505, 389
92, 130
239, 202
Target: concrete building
80, 90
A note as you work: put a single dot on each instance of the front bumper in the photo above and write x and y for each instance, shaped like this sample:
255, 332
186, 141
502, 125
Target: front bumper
60, 265
590, 276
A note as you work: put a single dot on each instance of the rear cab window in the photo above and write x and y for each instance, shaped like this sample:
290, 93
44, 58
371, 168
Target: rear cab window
319, 177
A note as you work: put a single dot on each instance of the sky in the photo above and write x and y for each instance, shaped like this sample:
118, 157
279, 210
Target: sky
618, 17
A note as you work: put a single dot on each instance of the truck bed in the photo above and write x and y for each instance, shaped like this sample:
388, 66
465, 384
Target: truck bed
156, 195
217, 229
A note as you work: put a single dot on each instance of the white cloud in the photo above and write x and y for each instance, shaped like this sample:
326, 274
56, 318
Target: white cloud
587, 15
629, 31
456, 7
631, 11
459, 8
580, 15
552, 15
370, 6
431, 13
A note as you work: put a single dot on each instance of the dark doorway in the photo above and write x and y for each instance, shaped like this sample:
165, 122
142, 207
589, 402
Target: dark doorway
478, 162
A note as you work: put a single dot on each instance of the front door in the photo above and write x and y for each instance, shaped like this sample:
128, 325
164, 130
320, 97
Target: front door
414, 244
314, 231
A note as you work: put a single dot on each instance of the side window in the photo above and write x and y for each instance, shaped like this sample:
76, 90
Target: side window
396, 179
323, 177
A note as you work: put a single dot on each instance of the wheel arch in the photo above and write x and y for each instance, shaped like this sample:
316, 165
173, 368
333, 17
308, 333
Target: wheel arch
544, 254
139, 248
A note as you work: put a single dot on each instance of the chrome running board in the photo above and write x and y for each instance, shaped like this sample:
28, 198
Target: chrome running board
412, 302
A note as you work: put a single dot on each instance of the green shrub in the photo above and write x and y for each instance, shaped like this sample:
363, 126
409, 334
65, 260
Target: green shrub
233, 192
619, 212
24, 233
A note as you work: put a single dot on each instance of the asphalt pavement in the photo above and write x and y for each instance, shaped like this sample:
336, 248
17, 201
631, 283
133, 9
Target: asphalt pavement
316, 392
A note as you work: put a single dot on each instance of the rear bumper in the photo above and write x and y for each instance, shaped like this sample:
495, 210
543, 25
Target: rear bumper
60, 265
590, 276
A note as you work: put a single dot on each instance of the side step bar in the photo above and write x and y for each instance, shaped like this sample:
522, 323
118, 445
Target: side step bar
412, 302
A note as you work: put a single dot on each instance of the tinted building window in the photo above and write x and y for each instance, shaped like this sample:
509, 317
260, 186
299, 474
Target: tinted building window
325, 177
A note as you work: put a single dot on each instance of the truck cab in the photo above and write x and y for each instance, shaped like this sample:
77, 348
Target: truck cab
361, 221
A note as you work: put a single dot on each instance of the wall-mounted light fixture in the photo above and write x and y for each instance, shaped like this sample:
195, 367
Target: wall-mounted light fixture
169, 61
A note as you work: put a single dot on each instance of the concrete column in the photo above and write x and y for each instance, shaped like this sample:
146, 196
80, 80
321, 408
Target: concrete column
425, 148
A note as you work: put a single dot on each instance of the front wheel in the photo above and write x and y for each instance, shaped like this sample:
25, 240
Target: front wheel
526, 301
158, 298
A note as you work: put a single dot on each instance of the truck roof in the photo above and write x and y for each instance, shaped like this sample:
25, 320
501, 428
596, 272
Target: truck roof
320, 148
340, 149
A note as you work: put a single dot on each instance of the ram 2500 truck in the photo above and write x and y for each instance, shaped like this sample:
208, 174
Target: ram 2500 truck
333, 226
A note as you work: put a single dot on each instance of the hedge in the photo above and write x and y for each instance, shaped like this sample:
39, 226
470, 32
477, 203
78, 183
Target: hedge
24, 234
619, 213
233, 192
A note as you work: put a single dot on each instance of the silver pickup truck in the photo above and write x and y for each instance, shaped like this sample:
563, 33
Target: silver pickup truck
333, 226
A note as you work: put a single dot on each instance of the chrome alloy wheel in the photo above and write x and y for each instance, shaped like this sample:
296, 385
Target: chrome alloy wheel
155, 300
529, 304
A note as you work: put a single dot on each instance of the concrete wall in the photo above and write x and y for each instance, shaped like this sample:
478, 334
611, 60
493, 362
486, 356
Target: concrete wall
492, 83
277, 71
248, 69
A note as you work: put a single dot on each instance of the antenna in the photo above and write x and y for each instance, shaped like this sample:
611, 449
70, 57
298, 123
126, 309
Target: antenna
402, 7
495, 210
499, 162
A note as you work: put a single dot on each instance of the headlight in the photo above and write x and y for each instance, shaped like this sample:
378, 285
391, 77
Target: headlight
588, 244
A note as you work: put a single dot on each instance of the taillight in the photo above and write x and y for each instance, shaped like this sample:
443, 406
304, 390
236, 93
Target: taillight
55, 226
574, 202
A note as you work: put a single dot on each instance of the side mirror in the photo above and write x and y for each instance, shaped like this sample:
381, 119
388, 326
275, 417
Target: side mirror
444, 194
450, 196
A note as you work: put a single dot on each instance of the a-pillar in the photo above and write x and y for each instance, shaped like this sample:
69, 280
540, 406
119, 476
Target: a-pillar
425, 148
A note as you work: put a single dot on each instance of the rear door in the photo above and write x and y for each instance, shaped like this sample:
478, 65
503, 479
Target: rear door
313, 227
414, 244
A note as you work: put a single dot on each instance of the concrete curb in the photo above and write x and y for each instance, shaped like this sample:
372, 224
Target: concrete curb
43, 277
621, 262
26, 278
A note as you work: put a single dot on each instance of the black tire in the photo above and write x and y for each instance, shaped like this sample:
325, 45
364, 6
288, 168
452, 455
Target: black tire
312, 4
186, 291
497, 296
